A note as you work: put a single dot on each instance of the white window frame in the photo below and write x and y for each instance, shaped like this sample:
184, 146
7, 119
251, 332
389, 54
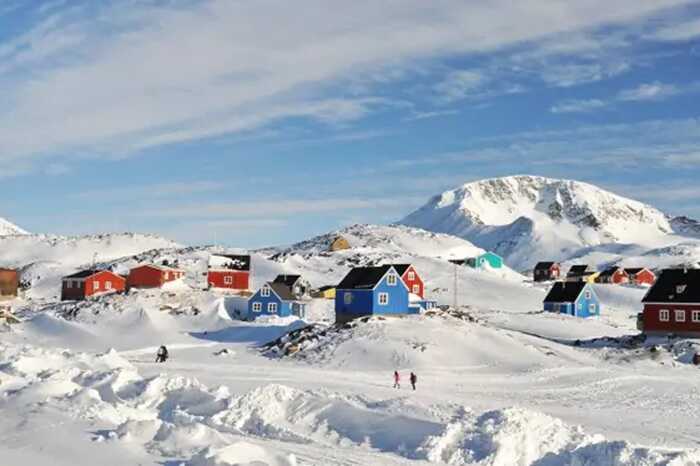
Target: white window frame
411, 275
416, 289
664, 315
588, 294
69, 283
257, 307
108, 285
592, 308
272, 308
383, 297
167, 275
392, 279
265, 292
580, 307
95, 285
228, 280
347, 298
695, 316
679, 313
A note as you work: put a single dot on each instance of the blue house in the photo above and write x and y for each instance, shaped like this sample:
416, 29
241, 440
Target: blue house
576, 299
371, 290
275, 299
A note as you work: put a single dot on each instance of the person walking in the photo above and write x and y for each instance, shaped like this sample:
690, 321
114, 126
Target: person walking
397, 380
162, 354
414, 379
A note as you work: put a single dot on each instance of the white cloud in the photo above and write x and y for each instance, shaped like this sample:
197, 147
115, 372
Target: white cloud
459, 85
122, 79
574, 106
678, 32
652, 91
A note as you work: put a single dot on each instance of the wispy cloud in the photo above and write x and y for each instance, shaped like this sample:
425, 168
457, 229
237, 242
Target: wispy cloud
101, 78
459, 85
678, 32
572, 106
652, 91
433, 114
153, 190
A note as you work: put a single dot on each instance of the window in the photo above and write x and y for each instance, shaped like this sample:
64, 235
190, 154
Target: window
580, 306
679, 315
695, 316
592, 308
383, 299
416, 289
69, 283
108, 285
663, 315
680, 289
347, 298
167, 275
272, 307
391, 280
411, 275
265, 292
257, 307
228, 280
588, 294
95, 285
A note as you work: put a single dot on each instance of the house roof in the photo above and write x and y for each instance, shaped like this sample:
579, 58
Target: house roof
544, 265
610, 271
401, 268
670, 282
634, 270
458, 261
234, 262
282, 291
578, 270
163, 268
565, 292
326, 288
88, 273
288, 280
363, 278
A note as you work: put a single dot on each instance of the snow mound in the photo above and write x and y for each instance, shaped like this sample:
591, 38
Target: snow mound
8, 229
181, 417
241, 454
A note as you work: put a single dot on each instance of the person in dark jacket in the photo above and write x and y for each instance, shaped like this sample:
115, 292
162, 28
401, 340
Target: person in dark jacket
414, 379
162, 354
397, 380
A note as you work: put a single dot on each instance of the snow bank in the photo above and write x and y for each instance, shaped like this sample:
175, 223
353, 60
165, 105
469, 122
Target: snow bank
181, 417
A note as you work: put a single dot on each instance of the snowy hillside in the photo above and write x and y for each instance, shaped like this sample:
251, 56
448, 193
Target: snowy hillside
7, 228
528, 218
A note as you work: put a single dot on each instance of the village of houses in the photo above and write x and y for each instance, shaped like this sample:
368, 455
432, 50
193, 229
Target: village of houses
671, 305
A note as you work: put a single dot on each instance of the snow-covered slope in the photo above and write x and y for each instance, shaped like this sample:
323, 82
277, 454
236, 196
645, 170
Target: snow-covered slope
531, 218
7, 228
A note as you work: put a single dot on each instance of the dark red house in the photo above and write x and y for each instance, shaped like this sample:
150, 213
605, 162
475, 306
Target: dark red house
546, 271
641, 276
152, 276
672, 304
409, 275
88, 283
9, 283
613, 275
229, 272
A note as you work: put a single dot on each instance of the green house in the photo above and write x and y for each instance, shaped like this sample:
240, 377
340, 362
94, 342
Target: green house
489, 258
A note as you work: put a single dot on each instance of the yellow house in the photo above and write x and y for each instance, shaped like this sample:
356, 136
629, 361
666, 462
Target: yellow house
339, 244
325, 292
592, 278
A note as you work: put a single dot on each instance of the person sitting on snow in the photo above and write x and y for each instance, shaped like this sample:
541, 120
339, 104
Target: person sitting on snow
162, 354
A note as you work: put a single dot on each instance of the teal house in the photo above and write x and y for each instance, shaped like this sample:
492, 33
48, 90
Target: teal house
488, 258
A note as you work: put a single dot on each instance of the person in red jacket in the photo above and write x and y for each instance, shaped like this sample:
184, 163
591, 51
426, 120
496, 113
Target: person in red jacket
397, 380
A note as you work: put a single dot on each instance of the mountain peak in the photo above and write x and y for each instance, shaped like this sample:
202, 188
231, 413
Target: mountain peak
528, 218
8, 229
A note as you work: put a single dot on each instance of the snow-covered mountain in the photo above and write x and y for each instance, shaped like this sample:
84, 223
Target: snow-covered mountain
7, 228
530, 218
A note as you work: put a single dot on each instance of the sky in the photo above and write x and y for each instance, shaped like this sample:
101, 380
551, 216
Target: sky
255, 123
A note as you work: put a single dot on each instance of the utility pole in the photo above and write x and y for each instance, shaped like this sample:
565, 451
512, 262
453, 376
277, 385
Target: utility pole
454, 288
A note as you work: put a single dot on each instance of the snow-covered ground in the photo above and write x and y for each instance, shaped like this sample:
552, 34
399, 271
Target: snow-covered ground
499, 383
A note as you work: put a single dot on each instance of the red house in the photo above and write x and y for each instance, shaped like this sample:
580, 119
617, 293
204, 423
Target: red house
672, 304
410, 277
546, 271
641, 276
152, 276
614, 275
88, 283
230, 272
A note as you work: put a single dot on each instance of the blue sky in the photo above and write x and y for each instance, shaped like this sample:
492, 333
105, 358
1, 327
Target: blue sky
257, 123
